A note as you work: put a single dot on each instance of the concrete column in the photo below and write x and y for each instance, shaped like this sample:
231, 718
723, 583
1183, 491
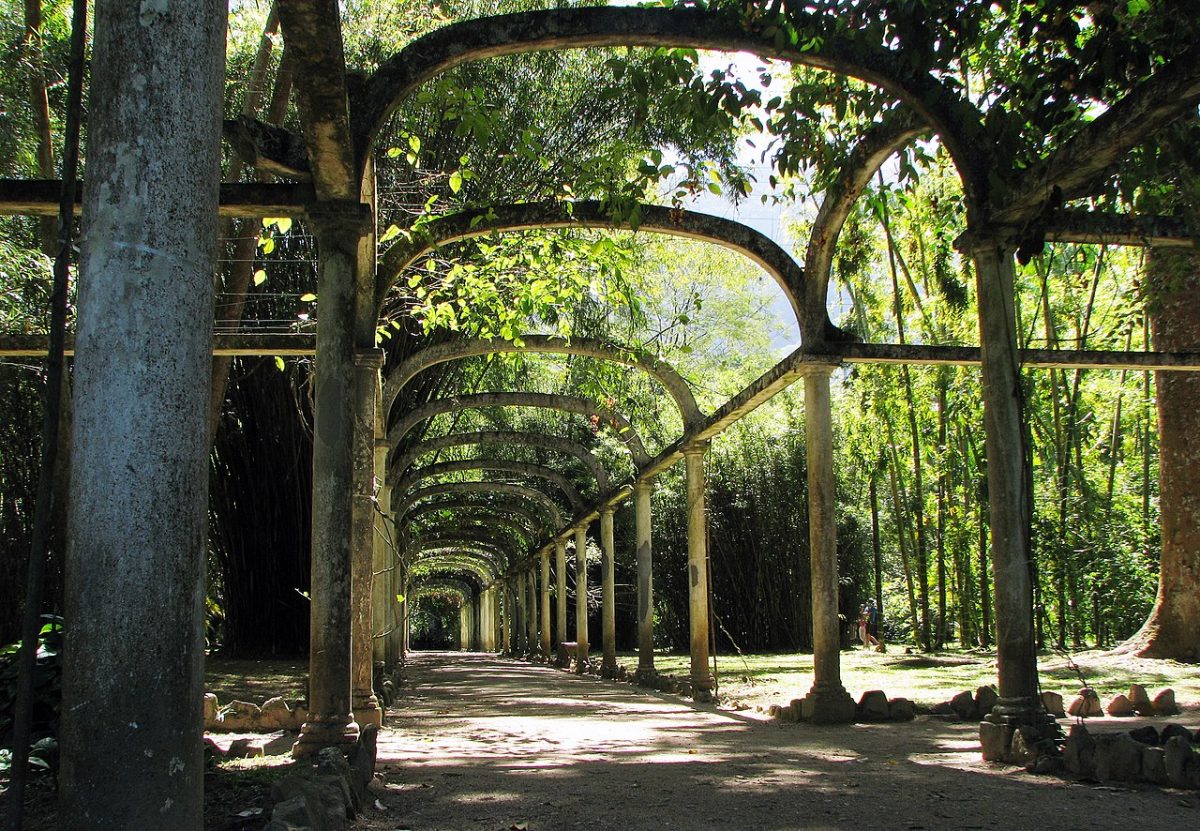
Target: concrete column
519, 629
545, 605
506, 625
367, 364
1008, 495
581, 614
383, 601
497, 634
827, 702
645, 579
560, 588
464, 626
531, 613
608, 666
697, 530
338, 229
131, 727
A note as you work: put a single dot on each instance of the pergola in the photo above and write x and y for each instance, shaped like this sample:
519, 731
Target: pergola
150, 209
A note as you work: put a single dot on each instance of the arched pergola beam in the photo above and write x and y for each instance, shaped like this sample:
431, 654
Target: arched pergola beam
459, 586
513, 508
540, 400
527, 469
478, 515
471, 562
455, 350
657, 219
475, 522
489, 563
533, 496
953, 118
507, 437
899, 128
481, 535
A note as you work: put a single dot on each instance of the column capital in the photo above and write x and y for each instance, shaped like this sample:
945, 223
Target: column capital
337, 219
698, 448
815, 364
643, 485
607, 510
998, 238
369, 358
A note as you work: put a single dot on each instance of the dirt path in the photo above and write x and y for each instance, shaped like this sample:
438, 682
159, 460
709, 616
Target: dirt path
483, 743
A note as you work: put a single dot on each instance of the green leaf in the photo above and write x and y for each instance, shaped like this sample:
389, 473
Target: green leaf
308, 297
279, 363
284, 224
456, 181
260, 277
391, 233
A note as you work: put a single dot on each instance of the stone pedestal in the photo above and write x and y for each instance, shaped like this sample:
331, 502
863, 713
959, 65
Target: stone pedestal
827, 704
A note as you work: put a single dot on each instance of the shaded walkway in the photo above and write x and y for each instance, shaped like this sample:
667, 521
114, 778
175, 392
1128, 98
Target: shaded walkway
478, 742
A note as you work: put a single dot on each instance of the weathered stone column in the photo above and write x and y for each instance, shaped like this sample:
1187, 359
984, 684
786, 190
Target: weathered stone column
697, 530
581, 599
545, 605
532, 616
497, 633
560, 588
645, 579
131, 725
367, 364
1008, 495
464, 626
338, 228
506, 625
383, 601
827, 702
608, 666
519, 625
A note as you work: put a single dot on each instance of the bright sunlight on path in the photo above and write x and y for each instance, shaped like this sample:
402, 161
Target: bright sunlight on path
477, 742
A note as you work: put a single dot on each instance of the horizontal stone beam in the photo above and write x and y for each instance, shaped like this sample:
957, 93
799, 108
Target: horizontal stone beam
39, 197
1104, 228
235, 346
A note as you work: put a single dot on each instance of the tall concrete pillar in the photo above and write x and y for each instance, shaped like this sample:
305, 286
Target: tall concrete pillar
497, 633
544, 608
531, 614
645, 579
519, 625
139, 482
1008, 494
464, 626
383, 601
608, 666
367, 364
827, 702
560, 589
339, 228
506, 624
697, 530
581, 599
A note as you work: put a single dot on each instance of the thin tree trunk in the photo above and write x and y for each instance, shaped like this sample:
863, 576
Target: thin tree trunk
901, 530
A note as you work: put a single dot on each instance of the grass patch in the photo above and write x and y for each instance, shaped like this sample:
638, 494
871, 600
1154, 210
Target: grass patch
255, 681
933, 678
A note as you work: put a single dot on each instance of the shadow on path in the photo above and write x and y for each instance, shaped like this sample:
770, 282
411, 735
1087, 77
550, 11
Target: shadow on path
478, 742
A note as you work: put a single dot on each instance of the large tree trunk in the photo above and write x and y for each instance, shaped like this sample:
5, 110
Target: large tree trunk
1173, 279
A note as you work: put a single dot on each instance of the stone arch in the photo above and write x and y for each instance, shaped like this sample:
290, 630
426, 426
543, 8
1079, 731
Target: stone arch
678, 222
400, 505
475, 521
514, 509
527, 469
955, 120
482, 535
455, 350
546, 401
539, 440
468, 556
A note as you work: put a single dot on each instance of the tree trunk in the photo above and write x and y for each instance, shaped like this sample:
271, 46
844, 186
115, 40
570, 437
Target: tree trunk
1173, 280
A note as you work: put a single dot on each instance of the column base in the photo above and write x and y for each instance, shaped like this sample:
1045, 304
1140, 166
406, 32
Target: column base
367, 709
608, 670
702, 688
1012, 718
827, 704
315, 735
645, 676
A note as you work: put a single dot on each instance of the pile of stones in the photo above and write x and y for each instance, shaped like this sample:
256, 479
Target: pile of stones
1136, 703
1169, 757
246, 717
873, 706
968, 706
327, 795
